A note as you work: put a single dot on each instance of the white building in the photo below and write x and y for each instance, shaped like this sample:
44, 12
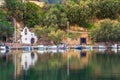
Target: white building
1, 2
26, 36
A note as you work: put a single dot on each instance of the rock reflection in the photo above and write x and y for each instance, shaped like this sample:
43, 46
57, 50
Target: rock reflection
28, 60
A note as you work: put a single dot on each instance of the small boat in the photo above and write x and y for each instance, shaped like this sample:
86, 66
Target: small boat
52, 47
114, 46
101, 48
40, 47
62, 46
78, 47
4, 47
88, 48
27, 48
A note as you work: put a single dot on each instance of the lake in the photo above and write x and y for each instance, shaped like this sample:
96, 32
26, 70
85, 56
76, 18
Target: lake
60, 65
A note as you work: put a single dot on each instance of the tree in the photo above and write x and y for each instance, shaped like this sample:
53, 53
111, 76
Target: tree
78, 13
49, 34
32, 14
28, 13
108, 8
15, 9
56, 15
6, 29
56, 36
107, 31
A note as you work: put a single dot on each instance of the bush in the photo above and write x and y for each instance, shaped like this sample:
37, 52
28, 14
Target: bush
108, 9
6, 29
49, 34
107, 31
32, 14
78, 13
56, 15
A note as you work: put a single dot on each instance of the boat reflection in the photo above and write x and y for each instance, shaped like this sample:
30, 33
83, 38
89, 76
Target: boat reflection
4, 52
41, 51
28, 59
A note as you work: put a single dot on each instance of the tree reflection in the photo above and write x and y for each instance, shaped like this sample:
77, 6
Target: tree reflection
105, 65
6, 67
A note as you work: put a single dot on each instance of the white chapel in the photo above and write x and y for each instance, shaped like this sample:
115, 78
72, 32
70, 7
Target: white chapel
26, 36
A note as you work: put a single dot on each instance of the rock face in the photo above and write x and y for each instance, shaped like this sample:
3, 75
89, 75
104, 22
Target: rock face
28, 37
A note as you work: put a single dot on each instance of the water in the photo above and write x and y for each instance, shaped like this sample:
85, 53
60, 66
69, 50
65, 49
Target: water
63, 65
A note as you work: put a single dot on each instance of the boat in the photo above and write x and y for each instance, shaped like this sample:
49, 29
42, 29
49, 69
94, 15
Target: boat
4, 50
4, 47
62, 46
51, 51
52, 47
27, 48
88, 48
78, 47
41, 47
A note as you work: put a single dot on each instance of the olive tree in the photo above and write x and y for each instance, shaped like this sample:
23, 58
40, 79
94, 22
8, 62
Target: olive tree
107, 31
49, 34
28, 13
56, 15
78, 13
108, 8
32, 14
15, 9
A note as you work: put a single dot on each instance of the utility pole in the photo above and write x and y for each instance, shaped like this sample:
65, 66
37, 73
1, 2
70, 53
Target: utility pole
68, 69
68, 27
14, 21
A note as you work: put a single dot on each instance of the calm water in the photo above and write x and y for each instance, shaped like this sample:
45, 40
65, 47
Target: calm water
63, 65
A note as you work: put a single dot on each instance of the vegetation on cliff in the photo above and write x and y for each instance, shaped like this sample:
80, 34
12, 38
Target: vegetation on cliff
83, 13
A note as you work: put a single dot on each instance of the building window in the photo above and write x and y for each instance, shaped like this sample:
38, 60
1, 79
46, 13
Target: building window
25, 38
25, 31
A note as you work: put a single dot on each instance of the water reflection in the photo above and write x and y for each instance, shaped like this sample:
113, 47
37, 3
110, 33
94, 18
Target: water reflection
6, 67
28, 60
70, 65
4, 52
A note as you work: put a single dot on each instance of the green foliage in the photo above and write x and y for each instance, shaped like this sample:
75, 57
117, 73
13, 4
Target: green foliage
108, 9
56, 36
107, 31
72, 35
16, 9
32, 15
49, 33
28, 13
56, 15
2, 14
78, 13
5, 27
89, 26
10, 4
